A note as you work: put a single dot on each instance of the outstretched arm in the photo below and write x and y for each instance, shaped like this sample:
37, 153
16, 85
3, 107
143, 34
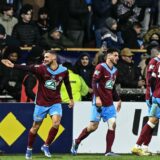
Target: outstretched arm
7, 63
31, 68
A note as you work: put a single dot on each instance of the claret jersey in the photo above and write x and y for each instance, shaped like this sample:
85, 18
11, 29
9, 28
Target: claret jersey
103, 83
49, 83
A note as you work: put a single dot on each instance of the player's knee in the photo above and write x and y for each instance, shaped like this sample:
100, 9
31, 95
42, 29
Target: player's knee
151, 124
35, 128
112, 124
92, 127
56, 124
153, 120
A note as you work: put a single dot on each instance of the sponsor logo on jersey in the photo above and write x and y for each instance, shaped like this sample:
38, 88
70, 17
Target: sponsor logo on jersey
51, 84
109, 84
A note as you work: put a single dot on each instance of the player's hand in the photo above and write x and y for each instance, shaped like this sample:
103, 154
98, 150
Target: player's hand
7, 63
119, 105
90, 90
71, 103
98, 102
141, 83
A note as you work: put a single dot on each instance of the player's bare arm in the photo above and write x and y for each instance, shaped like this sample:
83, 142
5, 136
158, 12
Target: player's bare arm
7, 63
119, 105
71, 103
98, 102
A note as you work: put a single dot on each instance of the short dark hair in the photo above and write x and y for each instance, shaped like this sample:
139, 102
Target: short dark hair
25, 8
137, 24
111, 50
7, 7
51, 52
12, 49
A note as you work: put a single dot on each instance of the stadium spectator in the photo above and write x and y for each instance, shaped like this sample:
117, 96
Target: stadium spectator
152, 100
43, 21
103, 85
58, 13
30, 81
110, 35
26, 31
145, 5
56, 39
131, 36
36, 5
129, 74
77, 20
99, 56
11, 79
6, 40
7, 19
15, 3
102, 9
78, 85
29, 88
154, 42
48, 101
85, 69
127, 13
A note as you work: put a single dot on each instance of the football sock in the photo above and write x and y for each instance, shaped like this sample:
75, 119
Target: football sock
31, 139
145, 134
148, 139
109, 140
82, 136
51, 135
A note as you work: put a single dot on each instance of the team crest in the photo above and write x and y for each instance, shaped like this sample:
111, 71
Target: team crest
60, 78
97, 72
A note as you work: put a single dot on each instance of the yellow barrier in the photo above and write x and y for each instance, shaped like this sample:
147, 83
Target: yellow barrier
87, 49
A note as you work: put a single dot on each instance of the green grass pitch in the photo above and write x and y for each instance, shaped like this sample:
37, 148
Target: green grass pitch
79, 157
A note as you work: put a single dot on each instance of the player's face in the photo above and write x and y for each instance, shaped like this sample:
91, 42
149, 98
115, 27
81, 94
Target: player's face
49, 58
114, 57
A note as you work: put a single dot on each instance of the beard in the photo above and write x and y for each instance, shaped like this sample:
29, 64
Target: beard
48, 63
114, 62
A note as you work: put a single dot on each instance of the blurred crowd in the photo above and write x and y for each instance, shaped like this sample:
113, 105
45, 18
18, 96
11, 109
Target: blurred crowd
46, 24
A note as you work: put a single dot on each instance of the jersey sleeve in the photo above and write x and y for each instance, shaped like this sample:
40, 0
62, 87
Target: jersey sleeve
68, 85
96, 78
154, 75
36, 69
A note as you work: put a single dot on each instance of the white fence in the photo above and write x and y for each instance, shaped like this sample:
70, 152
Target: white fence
129, 124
